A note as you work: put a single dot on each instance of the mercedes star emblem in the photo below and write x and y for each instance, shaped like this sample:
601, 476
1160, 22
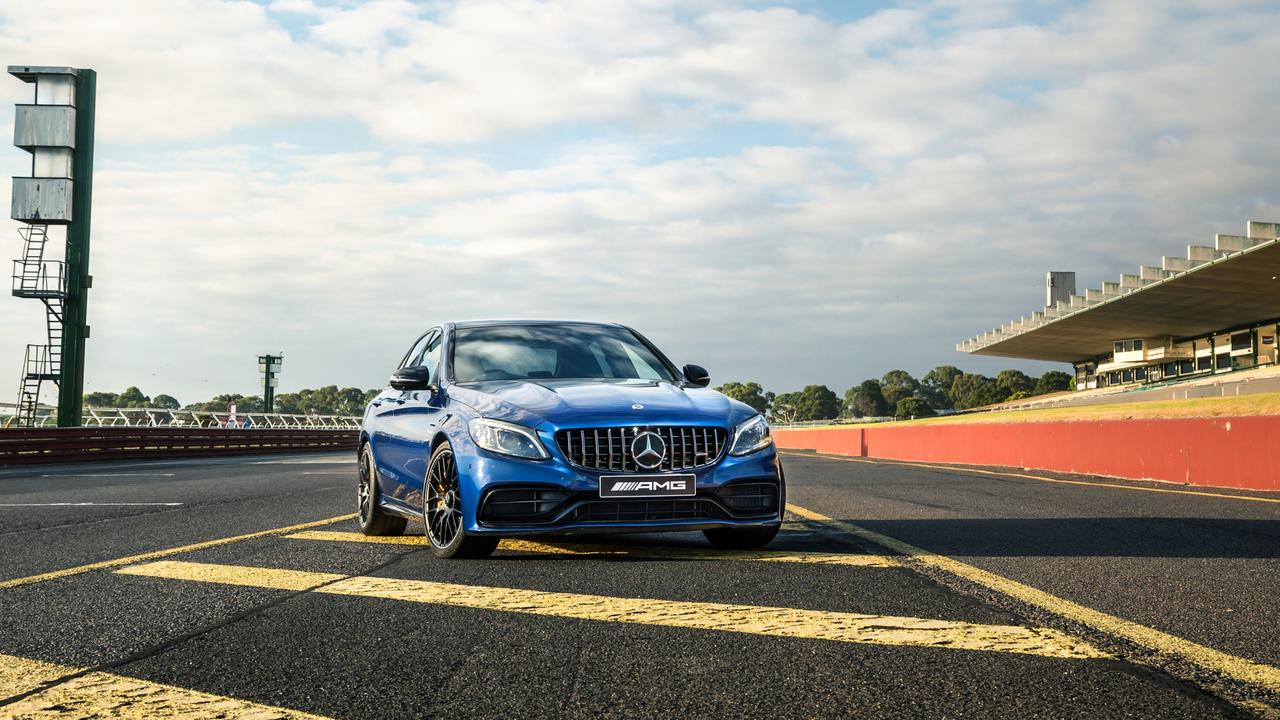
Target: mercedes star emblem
649, 450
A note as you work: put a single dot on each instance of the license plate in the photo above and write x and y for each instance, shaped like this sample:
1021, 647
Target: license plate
645, 486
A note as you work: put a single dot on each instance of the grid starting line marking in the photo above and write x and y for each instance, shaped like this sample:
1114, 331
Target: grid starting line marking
128, 560
750, 619
96, 694
526, 547
1237, 668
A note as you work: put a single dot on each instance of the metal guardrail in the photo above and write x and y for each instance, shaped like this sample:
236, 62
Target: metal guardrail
23, 446
160, 417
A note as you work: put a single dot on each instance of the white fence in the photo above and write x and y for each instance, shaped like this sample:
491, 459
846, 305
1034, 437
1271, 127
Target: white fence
159, 417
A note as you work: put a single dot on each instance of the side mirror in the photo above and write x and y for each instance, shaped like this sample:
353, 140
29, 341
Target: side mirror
412, 378
697, 375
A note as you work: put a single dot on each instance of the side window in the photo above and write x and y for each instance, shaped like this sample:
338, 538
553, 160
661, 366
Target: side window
415, 352
431, 358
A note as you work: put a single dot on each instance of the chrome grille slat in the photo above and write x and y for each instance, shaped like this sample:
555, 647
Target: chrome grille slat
608, 449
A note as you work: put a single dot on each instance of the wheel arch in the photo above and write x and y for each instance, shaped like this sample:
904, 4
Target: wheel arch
440, 437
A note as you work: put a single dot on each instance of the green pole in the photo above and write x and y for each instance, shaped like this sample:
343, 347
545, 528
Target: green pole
268, 392
75, 310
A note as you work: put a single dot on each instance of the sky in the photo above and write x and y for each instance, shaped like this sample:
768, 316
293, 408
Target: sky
785, 193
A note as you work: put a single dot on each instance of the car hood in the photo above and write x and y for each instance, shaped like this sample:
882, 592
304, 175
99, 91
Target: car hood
565, 403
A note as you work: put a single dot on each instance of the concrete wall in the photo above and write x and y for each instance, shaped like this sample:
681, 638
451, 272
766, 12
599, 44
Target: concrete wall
1238, 452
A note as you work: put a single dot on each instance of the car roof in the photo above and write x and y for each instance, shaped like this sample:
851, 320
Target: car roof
491, 323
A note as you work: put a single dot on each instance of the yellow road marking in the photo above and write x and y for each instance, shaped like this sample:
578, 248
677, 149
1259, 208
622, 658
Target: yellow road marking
1239, 668
106, 695
141, 557
1041, 478
19, 675
693, 553
637, 551
756, 620
352, 536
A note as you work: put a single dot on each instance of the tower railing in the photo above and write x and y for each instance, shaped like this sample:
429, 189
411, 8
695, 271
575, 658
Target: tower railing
41, 279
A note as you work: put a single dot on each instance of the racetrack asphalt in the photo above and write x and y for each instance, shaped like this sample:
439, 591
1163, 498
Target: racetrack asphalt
293, 620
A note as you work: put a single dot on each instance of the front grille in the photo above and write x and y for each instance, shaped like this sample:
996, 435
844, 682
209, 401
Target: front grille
752, 498
688, 447
609, 511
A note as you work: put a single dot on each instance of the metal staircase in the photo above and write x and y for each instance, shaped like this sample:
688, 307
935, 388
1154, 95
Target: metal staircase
35, 277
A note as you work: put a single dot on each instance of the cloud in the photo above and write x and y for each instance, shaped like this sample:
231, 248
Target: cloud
770, 192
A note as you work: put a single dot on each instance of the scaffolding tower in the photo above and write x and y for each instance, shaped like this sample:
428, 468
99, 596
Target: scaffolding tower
56, 128
45, 280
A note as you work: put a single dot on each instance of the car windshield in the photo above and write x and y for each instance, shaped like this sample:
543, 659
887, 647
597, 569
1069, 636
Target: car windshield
550, 352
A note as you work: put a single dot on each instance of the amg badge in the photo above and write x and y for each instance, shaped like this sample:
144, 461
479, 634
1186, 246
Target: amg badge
642, 486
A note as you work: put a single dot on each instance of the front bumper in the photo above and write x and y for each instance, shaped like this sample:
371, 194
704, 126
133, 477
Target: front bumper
516, 497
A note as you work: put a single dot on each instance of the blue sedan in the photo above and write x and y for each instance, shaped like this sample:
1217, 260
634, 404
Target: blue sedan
493, 429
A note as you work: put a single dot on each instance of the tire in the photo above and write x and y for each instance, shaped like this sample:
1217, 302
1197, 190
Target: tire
442, 511
751, 538
372, 520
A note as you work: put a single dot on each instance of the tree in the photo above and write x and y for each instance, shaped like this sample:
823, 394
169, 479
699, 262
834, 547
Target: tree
220, 402
896, 385
132, 397
814, 402
327, 400
165, 402
350, 401
936, 385
1053, 381
866, 400
913, 407
817, 402
750, 393
972, 390
785, 408
1011, 382
101, 400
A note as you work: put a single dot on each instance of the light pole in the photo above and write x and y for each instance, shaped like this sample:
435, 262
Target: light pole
269, 366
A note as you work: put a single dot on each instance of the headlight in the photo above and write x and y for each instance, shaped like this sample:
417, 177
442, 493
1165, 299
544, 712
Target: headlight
507, 439
751, 436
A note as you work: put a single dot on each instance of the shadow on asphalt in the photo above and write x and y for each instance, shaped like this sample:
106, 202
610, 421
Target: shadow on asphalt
1160, 537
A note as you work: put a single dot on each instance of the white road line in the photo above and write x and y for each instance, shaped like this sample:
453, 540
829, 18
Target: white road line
309, 461
61, 475
326, 472
93, 504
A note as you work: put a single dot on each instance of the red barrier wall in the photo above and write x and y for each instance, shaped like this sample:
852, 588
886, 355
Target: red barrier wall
1234, 452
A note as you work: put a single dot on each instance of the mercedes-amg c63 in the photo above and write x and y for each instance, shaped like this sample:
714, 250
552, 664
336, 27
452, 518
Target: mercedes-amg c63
492, 429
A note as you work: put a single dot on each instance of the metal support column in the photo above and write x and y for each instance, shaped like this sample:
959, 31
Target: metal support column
76, 318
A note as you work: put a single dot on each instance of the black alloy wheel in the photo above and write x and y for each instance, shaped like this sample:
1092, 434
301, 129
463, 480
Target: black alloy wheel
442, 511
372, 520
